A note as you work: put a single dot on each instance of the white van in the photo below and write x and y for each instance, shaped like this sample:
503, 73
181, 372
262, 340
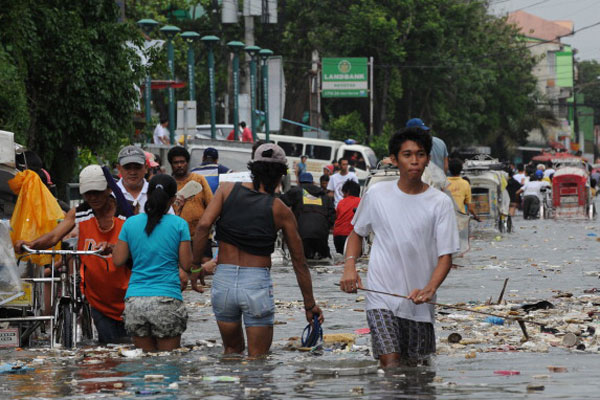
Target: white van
322, 152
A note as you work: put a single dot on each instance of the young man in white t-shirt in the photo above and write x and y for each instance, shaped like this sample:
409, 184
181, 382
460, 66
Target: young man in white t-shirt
415, 236
336, 181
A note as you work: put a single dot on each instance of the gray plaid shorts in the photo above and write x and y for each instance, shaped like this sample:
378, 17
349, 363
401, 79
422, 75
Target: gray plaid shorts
157, 316
412, 340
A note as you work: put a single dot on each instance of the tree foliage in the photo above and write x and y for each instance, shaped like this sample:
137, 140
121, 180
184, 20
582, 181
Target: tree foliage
446, 61
588, 80
78, 74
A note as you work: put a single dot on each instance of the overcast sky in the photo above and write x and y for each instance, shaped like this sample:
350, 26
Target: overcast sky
581, 12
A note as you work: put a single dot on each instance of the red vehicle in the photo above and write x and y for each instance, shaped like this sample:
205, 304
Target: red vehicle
571, 195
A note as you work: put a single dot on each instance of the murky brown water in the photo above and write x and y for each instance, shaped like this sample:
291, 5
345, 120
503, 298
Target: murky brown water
539, 257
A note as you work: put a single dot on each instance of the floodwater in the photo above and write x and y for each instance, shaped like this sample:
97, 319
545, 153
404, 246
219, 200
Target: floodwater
539, 258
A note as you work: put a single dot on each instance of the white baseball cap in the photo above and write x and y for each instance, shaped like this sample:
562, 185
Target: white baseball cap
92, 178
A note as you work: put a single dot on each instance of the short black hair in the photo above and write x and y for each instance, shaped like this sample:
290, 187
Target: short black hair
324, 178
417, 135
243, 124
342, 159
455, 166
267, 173
163, 120
178, 151
351, 187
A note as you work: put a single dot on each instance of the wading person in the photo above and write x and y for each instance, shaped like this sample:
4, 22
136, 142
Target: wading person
249, 217
460, 189
133, 168
99, 220
415, 237
192, 208
344, 214
532, 195
337, 180
159, 245
314, 213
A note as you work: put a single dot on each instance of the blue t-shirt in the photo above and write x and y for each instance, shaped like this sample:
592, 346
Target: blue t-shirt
211, 172
438, 152
155, 259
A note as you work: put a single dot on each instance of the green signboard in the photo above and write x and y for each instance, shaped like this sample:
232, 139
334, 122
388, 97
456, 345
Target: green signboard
345, 77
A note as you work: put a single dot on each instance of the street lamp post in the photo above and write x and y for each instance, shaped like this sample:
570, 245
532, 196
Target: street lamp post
253, 52
264, 55
209, 41
147, 26
190, 37
235, 48
170, 32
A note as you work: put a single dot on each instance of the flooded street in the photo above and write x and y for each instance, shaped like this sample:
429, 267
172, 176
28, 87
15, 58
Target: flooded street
547, 260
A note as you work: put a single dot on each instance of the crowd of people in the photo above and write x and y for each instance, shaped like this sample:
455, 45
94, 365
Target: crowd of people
158, 232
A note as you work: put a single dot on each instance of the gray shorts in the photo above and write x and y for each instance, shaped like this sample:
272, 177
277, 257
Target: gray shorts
156, 316
412, 340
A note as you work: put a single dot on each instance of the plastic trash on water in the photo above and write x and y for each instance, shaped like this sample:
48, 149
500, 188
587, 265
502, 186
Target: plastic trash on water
221, 378
345, 367
495, 320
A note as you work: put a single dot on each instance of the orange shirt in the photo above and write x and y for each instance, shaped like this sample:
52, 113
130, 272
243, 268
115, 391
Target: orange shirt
193, 208
103, 287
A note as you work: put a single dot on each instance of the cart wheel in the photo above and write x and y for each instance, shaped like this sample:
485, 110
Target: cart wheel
509, 225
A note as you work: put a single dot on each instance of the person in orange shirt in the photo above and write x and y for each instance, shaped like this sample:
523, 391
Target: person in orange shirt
460, 189
99, 220
190, 209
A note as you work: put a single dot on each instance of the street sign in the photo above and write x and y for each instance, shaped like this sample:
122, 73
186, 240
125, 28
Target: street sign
345, 77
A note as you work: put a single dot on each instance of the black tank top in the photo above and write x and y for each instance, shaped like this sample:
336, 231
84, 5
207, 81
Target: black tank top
247, 221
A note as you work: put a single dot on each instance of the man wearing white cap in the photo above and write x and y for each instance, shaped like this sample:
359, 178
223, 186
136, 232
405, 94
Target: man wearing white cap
99, 221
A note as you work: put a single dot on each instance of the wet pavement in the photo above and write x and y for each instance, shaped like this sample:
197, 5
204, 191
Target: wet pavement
556, 261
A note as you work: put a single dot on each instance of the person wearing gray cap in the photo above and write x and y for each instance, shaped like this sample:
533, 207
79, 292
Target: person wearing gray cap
99, 220
249, 217
132, 168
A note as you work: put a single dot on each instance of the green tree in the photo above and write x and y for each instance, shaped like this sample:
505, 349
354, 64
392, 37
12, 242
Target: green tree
447, 61
588, 80
14, 116
348, 126
79, 74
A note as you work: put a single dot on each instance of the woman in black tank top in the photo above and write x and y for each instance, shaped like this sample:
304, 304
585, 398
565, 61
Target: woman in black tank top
249, 217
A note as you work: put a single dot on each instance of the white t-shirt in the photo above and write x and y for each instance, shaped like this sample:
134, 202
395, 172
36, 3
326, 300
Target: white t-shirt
548, 172
519, 178
336, 181
159, 132
141, 197
534, 188
411, 233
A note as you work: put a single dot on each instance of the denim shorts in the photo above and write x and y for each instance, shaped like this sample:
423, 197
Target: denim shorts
156, 316
243, 291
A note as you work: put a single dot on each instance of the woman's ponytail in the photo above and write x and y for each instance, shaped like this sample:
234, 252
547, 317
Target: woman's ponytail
160, 191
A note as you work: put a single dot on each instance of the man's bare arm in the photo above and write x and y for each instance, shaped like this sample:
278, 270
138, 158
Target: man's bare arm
350, 280
440, 272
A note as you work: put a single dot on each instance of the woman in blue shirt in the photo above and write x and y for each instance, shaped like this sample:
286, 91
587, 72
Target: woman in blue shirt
159, 244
